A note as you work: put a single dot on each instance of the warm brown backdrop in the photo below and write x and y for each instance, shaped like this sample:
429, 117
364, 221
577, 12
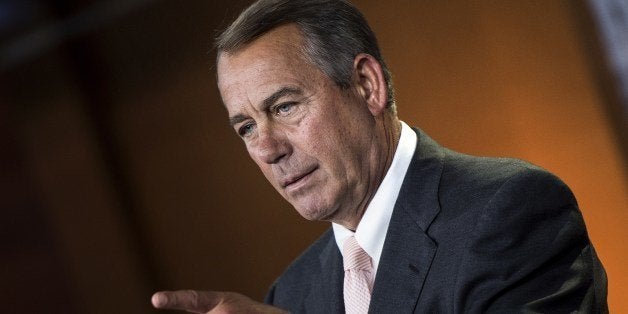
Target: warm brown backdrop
121, 176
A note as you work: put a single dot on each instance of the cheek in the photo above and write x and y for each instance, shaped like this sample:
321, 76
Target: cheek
328, 144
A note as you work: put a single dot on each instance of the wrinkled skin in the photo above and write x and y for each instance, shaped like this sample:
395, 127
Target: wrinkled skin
323, 148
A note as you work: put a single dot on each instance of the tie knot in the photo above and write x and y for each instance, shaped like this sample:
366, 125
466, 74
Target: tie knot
354, 257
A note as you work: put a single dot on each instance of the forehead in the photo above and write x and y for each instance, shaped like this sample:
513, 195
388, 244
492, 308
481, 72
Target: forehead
274, 61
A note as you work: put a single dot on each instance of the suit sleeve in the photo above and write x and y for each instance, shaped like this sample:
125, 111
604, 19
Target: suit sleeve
529, 252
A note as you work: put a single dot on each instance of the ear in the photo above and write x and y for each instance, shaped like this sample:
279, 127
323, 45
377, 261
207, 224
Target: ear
370, 83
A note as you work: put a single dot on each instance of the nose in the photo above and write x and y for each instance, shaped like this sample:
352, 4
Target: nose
270, 146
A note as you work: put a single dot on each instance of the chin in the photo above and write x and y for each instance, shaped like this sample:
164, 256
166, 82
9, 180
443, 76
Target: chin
314, 213
315, 205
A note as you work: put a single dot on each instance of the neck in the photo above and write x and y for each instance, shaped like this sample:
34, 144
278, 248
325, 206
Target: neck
387, 140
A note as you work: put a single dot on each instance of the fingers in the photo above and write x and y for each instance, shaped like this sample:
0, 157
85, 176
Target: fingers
187, 300
210, 302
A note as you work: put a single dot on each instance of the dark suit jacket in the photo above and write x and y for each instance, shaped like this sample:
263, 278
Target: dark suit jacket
467, 235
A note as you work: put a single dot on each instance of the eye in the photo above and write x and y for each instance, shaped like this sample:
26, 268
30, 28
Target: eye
246, 130
284, 108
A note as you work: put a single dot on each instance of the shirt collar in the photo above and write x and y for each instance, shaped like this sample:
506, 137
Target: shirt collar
371, 231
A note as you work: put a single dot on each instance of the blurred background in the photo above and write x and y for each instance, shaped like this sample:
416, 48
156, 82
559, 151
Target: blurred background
119, 174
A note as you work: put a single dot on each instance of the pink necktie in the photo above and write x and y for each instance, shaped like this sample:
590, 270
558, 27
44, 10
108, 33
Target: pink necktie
358, 282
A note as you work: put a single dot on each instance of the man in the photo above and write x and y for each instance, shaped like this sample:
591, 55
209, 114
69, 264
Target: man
415, 227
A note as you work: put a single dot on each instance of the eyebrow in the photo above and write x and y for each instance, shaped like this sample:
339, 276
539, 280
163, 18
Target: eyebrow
269, 101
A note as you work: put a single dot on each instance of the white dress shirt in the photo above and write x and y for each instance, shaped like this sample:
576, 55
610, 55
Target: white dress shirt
371, 231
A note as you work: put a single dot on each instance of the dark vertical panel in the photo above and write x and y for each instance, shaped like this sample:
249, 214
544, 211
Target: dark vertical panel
90, 77
32, 276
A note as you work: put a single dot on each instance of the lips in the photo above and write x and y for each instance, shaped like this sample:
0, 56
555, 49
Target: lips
292, 180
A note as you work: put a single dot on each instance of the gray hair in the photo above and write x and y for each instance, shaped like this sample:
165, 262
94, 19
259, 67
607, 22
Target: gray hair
334, 31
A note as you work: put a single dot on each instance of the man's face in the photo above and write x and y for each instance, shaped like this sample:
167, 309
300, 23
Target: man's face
313, 141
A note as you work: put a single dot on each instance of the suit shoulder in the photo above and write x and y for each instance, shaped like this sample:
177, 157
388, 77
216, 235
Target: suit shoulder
483, 177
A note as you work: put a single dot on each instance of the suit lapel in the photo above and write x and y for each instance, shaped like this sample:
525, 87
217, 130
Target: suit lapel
326, 293
408, 250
